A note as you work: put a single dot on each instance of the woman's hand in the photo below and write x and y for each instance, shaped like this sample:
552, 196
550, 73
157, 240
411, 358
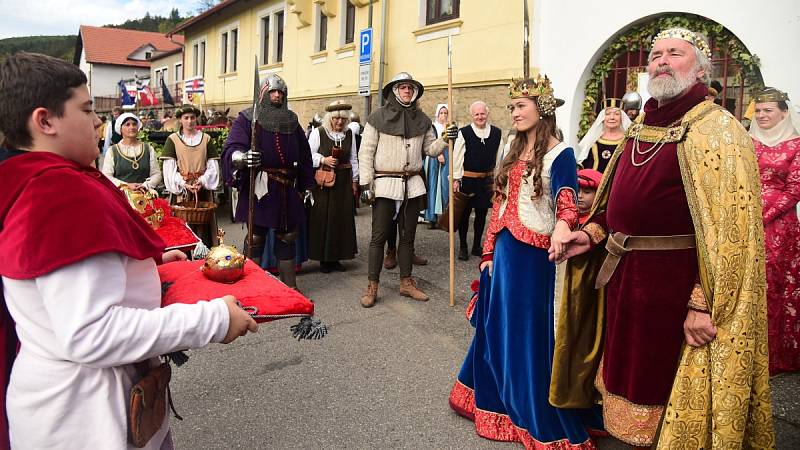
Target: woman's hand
330, 161
486, 264
558, 240
576, 243
193, 187
698, 329
440, 158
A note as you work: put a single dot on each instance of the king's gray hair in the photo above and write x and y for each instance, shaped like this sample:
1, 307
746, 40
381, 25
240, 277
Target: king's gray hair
702, 62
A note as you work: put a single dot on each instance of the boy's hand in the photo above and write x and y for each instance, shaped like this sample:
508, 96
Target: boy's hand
173, 256
240, 322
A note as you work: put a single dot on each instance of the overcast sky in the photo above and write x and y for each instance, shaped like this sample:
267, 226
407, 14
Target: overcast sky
52, 17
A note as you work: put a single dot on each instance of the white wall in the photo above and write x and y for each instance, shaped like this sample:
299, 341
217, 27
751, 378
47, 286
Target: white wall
569, 37
106, 77
86, 69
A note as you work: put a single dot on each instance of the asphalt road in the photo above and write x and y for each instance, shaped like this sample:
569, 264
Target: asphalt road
380, 379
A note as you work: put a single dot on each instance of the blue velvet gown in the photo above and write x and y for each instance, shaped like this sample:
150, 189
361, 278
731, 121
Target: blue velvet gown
504, 382
432, 175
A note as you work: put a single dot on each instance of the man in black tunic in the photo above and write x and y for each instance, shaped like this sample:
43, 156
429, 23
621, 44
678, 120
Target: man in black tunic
475, 156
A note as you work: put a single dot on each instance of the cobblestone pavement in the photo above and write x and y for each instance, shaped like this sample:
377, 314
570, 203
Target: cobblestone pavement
379, 380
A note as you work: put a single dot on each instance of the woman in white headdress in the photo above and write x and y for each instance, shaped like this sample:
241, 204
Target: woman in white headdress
776, 136
436, 171
131, 161
607, 131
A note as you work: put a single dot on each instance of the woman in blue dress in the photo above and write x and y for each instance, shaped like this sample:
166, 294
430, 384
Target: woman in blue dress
436, 171
504, 382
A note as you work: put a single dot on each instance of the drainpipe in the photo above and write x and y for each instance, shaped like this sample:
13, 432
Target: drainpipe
383, 51
368, 98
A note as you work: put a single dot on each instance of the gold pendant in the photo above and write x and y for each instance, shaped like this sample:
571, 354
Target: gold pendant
135, 165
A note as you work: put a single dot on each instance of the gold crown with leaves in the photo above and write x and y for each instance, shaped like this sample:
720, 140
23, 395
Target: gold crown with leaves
770, 94
539, 88
686, 35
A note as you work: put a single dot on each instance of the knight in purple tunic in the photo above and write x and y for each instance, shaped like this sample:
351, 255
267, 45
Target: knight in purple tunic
284, 174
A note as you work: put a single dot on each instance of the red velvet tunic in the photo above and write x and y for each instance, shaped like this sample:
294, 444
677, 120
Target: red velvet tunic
780, 192
649, 291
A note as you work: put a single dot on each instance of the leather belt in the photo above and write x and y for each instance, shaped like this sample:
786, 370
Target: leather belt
344, 166
618, 244
470, 174
282, 176
396, 174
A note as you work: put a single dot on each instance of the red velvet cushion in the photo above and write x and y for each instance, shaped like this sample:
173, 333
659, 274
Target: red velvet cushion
173, 230
185, 283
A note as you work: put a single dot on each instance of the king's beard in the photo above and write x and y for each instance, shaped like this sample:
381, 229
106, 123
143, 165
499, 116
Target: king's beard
668, 88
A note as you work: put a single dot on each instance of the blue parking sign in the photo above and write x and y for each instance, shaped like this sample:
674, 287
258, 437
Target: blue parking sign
365, 46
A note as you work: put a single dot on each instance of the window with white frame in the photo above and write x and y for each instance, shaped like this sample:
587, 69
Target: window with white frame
279, 37
223, 51
161, 74
349, 19
440, 10
270, 35
321, 41
199, 58
178, 72
228, 48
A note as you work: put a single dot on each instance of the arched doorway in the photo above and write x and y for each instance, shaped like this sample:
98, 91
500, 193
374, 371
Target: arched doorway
625, 57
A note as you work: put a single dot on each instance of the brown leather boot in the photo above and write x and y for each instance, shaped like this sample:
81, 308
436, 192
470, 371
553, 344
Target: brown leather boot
390, 260
408, 288
369, 297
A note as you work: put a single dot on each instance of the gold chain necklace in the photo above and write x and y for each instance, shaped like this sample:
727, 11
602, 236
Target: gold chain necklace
654, 149
133, 160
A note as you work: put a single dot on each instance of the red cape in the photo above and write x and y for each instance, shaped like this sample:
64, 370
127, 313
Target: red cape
54, 212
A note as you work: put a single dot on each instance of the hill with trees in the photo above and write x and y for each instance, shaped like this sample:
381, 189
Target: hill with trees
63, 47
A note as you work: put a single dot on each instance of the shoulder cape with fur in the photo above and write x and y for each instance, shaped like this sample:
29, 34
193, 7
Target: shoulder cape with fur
721, 395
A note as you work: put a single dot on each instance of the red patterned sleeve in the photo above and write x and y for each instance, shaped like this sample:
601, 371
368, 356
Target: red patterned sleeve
791, 192
491, 230
566, 209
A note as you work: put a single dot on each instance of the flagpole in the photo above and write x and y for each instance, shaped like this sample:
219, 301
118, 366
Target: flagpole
450, 155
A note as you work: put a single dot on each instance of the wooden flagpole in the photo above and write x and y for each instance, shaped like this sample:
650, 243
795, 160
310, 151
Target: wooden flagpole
450, 143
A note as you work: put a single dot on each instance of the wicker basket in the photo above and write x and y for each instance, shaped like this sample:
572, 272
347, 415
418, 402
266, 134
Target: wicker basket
190, 213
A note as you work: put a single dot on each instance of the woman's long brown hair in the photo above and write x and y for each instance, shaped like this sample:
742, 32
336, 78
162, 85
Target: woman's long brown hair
544, 129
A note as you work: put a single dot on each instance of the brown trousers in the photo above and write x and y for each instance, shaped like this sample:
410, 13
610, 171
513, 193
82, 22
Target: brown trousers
382, 213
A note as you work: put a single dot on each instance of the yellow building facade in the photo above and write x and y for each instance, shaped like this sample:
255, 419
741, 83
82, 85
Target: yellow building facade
313, 46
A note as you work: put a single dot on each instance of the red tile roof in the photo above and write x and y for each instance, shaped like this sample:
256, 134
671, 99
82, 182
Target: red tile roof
114, 45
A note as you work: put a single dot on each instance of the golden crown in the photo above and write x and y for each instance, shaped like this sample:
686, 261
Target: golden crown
612, 103
686, 35
771, 95
530, 87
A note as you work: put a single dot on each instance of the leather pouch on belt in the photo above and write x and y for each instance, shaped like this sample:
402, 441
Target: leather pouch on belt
148, 406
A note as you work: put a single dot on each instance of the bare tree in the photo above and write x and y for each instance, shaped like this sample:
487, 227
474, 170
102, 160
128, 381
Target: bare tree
205, 5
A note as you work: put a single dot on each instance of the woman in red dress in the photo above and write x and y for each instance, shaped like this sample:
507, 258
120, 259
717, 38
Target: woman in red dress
775, 132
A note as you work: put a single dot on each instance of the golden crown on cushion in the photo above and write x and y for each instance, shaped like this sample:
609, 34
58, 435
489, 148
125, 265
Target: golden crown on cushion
539, 88
686, 35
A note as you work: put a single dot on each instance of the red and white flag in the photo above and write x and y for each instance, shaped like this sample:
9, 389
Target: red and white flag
146, 97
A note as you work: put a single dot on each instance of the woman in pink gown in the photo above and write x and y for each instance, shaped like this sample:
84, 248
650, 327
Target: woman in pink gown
775, 131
